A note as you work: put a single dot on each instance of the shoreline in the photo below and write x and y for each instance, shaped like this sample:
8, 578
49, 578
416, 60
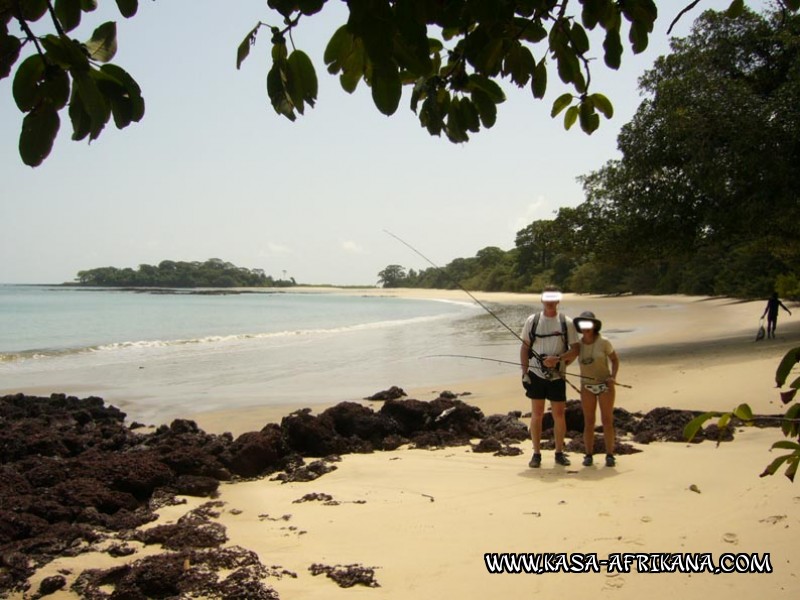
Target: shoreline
425, 519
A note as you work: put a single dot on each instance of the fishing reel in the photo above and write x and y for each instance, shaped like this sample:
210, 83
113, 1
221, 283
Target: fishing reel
549, 372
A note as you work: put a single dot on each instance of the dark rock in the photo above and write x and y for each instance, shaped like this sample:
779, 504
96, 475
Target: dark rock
350, 419
347, 575
257, 452
487, 445
310, 435
50, 585
393, 393
196, 485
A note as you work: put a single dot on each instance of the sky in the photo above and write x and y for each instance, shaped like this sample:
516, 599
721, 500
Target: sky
213, 172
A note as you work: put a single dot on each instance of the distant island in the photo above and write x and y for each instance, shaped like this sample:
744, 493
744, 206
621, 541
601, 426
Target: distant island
214, 273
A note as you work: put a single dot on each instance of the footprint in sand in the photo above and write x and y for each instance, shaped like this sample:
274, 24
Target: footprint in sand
773, 520
731, 538
613, 581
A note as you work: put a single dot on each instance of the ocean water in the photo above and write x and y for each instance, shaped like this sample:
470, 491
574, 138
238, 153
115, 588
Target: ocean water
159, 356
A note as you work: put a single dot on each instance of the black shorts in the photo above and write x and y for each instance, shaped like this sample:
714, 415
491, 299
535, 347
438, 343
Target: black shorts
554, 390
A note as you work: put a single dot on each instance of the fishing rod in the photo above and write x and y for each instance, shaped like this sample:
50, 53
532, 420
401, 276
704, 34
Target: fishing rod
453, 280
511, 362
461, 287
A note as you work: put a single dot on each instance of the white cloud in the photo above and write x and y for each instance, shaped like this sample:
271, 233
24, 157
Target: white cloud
351, 247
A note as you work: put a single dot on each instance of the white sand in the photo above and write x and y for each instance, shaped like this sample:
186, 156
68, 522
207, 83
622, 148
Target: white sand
425, 519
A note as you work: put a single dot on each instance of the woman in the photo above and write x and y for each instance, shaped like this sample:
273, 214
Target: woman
595, 354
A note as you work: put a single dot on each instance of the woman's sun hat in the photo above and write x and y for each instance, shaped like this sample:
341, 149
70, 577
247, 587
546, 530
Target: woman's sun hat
587, 320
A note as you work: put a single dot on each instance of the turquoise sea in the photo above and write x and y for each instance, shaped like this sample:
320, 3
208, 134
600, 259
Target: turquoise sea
160, 355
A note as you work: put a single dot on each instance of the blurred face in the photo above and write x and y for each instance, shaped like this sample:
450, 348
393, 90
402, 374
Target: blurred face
550, 302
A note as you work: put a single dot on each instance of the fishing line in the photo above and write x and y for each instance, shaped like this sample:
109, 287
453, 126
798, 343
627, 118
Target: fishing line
452, 279
516, 364
461, 287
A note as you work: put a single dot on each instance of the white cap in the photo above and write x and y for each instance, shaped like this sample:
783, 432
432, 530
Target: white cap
551, 296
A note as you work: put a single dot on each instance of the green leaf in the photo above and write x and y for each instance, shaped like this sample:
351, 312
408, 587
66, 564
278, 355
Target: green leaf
122, 94
589, 119
93, 101
55, 88
790, 359
25, 88
128, 8
786, 445
68, 13
339, 45
386, 89
9, 53
489, 87
639, 37
743, 412
39, 129
539, 80
580, 41
534, 32
562, 102
569, 69
33, 10
310, 7
102, 46
613, 49
243, 51
277, 93
81, 121
791, 471
301, 81
603, 104
693, 426
788, 396
132, 94
735, 9
490, 57
789, 424
487, 109
88, 5
520, 64
65, 52
773, 467
570, 117
469, 115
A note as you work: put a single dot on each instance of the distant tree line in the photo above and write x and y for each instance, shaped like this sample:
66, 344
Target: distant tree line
178, 274
705, 198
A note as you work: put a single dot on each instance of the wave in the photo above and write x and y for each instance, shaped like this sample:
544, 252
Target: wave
36, 354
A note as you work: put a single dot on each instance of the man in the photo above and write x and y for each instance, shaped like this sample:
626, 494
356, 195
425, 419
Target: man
555, 344
771, 312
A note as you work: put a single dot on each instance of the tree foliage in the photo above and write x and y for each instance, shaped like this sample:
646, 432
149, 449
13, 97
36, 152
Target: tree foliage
178, 274
452, 56
62, 73
703, 199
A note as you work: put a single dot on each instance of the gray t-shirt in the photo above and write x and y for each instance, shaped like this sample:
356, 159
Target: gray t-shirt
550, 345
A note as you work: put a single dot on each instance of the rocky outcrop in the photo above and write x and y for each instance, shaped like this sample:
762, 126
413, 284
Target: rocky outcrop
73, 475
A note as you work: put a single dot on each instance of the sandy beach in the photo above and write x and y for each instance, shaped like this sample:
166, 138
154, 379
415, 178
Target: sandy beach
425, 520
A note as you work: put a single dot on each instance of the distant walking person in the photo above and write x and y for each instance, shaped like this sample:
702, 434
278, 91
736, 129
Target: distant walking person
549, 338
771, 311
596, 352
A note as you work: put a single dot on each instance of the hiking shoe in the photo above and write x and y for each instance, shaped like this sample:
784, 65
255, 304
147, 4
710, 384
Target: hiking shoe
562, 460
610, 460
536, 461
588, 461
